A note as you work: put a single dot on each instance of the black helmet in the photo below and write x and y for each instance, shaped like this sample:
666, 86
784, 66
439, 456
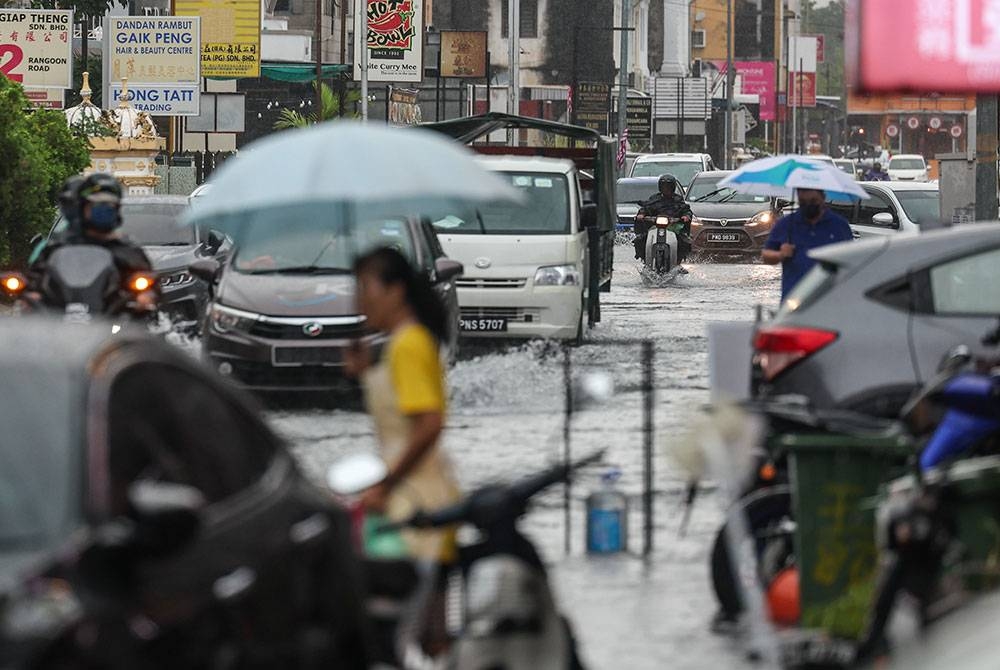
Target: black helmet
667, 179
104, 194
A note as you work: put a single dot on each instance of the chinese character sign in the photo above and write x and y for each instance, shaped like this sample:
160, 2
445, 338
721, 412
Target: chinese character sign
926, 45
230, 36
463, 54
395, 40
36, 47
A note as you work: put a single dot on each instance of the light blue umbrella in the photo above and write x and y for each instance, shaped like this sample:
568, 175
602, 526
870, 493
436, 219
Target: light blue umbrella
344, 169
780, 176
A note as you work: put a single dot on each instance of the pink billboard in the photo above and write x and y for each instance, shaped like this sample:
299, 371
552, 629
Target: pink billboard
758, 79
925, 45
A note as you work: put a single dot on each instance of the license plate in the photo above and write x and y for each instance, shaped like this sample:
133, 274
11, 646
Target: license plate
723, 237
483, 325
307, 356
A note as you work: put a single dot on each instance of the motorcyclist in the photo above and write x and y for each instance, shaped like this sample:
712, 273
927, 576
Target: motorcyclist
92, 208
667, 202
876, 173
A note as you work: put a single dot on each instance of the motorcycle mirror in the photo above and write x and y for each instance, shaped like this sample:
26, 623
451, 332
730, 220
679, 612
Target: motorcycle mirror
354, 473
593, 388
955, 358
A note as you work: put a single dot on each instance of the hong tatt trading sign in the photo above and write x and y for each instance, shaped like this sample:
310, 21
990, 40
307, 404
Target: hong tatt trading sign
36, 47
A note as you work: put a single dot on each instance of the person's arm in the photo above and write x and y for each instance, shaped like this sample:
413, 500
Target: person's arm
425, 429
776, 248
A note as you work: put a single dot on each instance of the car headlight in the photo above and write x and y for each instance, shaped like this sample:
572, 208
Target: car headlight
558, 275
225, 319
761, 219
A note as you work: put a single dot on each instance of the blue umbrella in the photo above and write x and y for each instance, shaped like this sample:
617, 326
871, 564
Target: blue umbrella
780, 176
344, 170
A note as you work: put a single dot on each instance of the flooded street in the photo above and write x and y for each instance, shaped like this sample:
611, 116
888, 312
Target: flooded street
506, 420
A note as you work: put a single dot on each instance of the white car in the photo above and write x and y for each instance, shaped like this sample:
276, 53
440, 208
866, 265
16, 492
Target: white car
682, 166
907, 167
893, 207
847, 166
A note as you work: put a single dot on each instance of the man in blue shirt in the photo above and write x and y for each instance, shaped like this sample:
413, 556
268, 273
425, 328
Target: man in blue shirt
813, 225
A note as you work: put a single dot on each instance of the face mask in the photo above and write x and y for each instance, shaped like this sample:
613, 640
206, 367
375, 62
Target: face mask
103, 217
812, 210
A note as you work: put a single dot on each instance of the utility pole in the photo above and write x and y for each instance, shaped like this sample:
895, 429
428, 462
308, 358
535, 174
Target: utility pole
623, 69
514, 42
730, 84
319, 59
986, 157
364, 60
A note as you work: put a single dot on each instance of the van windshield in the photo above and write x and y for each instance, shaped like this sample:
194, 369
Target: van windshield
906, 164
545, 210
684, 171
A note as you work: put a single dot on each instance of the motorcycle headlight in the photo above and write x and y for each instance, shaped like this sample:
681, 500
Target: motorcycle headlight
225, 319
763, 219
558, 275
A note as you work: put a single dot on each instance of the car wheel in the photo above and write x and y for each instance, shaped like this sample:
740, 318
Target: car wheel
578, 339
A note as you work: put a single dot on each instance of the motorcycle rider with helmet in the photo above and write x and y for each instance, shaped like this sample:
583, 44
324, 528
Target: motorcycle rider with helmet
91, 206
667, 202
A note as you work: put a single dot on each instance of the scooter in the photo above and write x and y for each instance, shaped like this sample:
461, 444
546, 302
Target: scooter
662, 244
82, 284
510, 618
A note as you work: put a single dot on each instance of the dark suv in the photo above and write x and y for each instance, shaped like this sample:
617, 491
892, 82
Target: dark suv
284, 307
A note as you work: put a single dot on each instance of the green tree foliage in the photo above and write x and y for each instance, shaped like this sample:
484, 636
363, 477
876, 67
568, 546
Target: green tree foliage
40, 153
93, 66
827, 20
290, 118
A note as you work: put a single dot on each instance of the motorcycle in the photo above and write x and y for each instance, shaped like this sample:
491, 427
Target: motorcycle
82, 283
662, 244
510, 618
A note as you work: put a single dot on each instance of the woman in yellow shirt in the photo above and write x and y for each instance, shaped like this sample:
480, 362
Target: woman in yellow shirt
405, 394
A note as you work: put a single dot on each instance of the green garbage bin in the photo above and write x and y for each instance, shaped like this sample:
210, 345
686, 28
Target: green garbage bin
834, 478
972, 497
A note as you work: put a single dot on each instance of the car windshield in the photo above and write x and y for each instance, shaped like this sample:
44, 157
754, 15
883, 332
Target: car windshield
707, 189
156, 224
39, 458
627, 192
906, 164
921, 206
544, 212
684, 171
846, 167
301, 239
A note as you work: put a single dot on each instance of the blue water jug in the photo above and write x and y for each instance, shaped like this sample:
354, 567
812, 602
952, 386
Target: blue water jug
607, 517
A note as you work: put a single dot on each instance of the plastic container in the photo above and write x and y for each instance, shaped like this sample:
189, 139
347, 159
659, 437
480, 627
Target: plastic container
607, 517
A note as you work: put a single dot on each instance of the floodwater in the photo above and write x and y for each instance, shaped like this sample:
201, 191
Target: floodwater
506, 420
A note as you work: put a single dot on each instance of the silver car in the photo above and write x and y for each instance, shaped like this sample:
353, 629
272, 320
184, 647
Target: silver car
873, 318
893, 207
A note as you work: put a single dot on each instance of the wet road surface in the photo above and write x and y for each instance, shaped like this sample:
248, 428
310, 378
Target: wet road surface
506, 420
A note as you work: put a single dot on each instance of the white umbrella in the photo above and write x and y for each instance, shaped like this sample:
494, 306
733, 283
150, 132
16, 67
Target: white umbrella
780, 176
346, 164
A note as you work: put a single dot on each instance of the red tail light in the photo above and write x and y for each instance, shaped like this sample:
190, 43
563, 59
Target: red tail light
778, 348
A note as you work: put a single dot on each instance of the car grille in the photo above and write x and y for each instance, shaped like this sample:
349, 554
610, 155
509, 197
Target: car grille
307, 355
516, 314
295, 377
730, 223
285, 331
175, 280
467, 282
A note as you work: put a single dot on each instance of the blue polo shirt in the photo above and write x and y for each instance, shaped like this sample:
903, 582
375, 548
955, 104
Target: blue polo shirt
794, 229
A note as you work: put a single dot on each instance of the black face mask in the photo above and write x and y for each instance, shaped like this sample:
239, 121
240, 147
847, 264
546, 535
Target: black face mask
811, 210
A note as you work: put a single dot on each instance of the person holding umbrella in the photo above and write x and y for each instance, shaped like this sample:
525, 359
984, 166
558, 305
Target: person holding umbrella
811, 226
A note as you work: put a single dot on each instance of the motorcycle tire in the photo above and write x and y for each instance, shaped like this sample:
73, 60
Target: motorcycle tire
763, 509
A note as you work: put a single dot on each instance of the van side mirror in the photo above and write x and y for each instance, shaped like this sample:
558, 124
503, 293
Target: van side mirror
215, 241
447, 269
588, 216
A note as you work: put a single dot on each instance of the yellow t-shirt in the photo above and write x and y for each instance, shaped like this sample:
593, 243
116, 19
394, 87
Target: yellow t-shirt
415, 368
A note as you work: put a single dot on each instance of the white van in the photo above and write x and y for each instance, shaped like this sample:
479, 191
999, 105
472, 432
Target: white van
526, 265
907, 167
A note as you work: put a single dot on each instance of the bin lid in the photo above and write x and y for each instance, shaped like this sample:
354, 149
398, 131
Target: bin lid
892, 437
